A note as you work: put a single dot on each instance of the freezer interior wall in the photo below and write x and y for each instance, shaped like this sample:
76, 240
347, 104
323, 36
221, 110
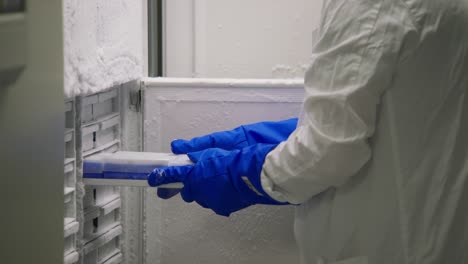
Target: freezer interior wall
104, 54
177, 232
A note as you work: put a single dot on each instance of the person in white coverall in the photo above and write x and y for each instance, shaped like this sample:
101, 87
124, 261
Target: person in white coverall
378, 164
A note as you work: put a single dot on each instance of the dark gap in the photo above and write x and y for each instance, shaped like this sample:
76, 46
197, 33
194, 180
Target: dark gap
94, 195
155, 38
12, 6
95, 224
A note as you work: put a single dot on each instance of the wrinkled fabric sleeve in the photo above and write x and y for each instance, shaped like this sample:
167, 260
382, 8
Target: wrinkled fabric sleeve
352, 66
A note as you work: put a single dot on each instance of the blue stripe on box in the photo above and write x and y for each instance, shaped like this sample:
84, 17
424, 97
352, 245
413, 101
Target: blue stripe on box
92, 167
137, 168
93, 175
116, 175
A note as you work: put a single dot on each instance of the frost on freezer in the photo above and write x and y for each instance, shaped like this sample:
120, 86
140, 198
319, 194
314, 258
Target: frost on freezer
92, 220
102, 45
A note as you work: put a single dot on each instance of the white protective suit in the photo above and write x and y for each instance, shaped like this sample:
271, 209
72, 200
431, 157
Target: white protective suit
380, 163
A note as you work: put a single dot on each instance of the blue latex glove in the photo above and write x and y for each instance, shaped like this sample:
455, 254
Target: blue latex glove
224, 181
240, 137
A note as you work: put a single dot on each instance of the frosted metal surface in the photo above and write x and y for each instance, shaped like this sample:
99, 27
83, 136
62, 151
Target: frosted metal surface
71, 224
103, 44
177, 232
92, 218
100, 205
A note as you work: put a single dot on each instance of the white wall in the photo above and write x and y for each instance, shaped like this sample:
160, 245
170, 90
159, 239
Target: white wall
239, 39
179, 233
104, 44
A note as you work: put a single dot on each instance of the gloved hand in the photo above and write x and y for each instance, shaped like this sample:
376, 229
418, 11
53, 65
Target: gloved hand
240, 137
224, 181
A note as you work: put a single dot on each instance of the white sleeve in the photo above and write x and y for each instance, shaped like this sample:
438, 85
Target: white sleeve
353, 62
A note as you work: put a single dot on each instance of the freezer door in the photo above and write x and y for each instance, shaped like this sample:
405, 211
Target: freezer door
31, 135
185, 108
